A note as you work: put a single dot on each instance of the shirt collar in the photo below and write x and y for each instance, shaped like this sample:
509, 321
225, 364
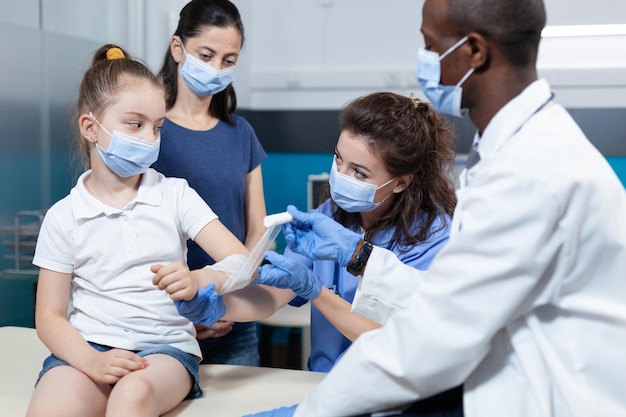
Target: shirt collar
86, 206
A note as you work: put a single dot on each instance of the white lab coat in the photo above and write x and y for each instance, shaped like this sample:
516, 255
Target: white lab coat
526, 304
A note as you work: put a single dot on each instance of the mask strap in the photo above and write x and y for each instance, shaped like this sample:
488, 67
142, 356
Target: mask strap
465, 77
384, 198
453, 47
96, 120
216, 72
388, 195
182, 45
387, 183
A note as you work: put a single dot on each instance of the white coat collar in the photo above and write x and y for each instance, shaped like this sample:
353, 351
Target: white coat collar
510, 118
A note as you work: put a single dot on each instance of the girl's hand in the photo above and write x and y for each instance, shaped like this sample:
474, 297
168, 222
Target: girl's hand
111, 366
176, 279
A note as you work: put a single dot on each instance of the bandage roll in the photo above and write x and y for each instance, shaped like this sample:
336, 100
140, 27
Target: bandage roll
277, 219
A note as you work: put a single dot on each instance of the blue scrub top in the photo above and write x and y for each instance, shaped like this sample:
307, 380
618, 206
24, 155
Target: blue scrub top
327, 343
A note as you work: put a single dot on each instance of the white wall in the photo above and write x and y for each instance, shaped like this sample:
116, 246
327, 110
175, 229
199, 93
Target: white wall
319, 54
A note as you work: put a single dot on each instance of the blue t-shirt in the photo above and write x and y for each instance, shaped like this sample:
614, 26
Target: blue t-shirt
327, 343
215, 163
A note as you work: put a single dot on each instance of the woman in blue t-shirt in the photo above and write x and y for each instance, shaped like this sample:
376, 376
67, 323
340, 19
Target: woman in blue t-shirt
216, 151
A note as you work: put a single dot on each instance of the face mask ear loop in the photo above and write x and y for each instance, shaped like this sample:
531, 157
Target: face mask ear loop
453, 47
96, 120
465, 77
385, 198
385, 184
388, 195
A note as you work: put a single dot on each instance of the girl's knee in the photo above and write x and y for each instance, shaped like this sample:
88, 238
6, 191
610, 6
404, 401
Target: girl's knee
133, 390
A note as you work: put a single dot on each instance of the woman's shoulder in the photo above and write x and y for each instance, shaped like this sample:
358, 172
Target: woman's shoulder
240, 123
440, 228
240, 120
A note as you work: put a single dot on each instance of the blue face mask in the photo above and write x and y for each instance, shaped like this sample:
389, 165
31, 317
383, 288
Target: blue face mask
352, 195
445, 98
202, 78
127, 156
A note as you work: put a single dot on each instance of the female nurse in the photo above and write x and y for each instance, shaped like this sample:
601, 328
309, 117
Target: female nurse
390, 181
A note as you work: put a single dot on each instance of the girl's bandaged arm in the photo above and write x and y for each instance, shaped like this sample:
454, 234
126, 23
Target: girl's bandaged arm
226, 274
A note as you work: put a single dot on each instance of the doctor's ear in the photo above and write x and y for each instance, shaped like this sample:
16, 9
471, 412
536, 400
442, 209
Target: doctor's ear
403, 182
87, 128
480, 49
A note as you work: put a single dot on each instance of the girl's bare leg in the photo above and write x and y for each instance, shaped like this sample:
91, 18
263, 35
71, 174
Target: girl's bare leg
152, 391
64, 391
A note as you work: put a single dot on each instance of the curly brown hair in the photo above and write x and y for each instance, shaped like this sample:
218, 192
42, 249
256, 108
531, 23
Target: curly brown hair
410, 137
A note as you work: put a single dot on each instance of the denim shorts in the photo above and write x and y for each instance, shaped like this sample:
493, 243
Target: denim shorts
239, 347
189, 361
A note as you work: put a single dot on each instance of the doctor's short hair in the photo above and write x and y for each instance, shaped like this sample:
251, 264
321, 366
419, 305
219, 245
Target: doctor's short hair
513, 25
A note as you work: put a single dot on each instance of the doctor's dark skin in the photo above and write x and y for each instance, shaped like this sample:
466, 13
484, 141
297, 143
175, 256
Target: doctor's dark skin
494, 81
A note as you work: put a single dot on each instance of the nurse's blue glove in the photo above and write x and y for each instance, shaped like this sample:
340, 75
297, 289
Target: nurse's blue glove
277, 412
319, 237
205, 308
285, 273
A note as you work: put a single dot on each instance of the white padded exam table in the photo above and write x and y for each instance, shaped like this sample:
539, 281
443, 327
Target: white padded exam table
229, 390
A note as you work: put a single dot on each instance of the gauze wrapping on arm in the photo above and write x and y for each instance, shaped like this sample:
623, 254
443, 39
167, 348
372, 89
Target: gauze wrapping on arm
232, 266
240, 269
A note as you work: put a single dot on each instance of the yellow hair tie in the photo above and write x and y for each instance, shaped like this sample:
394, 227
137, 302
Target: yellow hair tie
115, 53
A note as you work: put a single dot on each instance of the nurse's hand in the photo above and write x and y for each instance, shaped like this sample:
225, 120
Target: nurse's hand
319, 237
283, 272
277, 412
205, 308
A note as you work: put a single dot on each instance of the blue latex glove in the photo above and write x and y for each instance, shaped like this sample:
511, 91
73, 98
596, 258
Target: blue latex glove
277, 412
205, 308
285, 273
318, 237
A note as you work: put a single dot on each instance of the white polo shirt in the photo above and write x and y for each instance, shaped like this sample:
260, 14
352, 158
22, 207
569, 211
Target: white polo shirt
109, 252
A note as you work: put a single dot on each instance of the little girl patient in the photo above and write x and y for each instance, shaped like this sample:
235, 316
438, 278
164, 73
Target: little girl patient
117, 245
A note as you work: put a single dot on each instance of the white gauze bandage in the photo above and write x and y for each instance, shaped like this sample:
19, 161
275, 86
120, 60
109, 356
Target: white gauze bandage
231, 267
246, 270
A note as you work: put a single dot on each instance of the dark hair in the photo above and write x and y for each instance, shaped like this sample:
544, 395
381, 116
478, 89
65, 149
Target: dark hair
410, 137
514, 25
111, 70
194, 17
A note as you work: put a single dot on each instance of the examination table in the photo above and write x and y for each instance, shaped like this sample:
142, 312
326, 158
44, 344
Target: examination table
229, 390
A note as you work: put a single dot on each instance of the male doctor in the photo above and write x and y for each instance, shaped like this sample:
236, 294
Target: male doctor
526, 305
